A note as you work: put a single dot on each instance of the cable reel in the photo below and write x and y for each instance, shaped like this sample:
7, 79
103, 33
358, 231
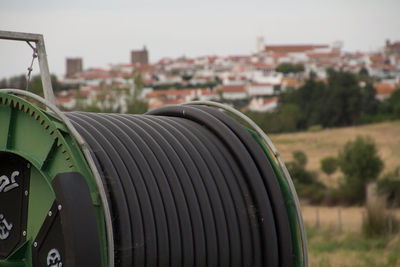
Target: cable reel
178, 186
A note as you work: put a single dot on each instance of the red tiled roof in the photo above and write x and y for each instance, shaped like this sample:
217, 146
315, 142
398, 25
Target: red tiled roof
212, 59
63, 99
261, 84
376, 58
277, 55
167, 93
144, 67
231, 88
321, 54
290, 82
384, 88
292, 48
383, 66
271, 100
262, 65
97, 70
148, 81
394, 44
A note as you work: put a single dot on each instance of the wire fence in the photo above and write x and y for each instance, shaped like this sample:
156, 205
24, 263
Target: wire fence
343, 219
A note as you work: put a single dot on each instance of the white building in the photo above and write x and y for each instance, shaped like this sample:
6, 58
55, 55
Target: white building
262, 104
260, 89
232, 92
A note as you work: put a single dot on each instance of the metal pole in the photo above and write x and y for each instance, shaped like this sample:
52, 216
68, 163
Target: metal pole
44, 71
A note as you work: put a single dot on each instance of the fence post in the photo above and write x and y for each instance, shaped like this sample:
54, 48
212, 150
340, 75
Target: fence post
317, 217
363, 216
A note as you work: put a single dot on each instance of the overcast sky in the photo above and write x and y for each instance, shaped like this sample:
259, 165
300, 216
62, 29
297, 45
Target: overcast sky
104, 31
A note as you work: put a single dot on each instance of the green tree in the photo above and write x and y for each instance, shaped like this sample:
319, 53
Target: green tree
18, 82
300, 158
287, 68
310, 97
360, 160
297, 168
329, 165
187, 77
361, 164
363, 72
389, 185
369, 103
343, 101
393, 104
339, 102
287, 119
134, 104
35, 85
306, 182
4, 83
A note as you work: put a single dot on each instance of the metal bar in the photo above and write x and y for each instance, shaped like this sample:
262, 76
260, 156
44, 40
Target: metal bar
20, 36
45, 72
42, 56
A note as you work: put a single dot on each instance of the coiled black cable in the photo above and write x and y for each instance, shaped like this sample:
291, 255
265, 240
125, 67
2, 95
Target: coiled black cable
188, 186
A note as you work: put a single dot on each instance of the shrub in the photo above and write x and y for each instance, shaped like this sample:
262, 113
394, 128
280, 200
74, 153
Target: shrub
360, 164
306, 182
358, 159
329, 165
389, 185
377, 223
315, 128
300, 158
315, 192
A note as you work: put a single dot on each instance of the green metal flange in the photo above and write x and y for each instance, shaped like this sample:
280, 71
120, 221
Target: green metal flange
46, 144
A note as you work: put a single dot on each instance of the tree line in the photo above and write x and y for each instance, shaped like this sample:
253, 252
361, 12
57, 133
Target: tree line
344, 99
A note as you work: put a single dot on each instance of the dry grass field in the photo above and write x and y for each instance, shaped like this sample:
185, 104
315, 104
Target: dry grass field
328, 248
332, 245
351, 218
334, 233
318, 145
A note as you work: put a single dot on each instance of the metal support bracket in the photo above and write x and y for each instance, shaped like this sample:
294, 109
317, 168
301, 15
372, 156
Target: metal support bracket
42, 56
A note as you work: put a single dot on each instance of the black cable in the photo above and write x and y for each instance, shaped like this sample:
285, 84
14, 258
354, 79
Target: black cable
121, 216
186, 205
264, 210
155, 227
134, 196
194, 159
251, 241
153, 171
270, 182
188, 186
247, 210
239, 231
202, 218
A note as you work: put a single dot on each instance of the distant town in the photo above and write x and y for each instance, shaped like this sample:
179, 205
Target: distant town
256, 79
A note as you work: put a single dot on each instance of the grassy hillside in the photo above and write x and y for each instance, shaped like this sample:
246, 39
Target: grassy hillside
318, 145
